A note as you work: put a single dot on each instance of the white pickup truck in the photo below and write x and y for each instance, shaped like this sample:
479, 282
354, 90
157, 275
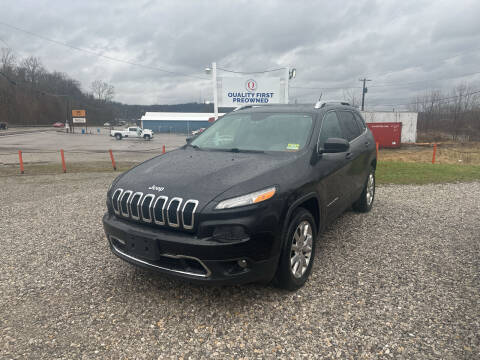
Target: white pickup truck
132, 132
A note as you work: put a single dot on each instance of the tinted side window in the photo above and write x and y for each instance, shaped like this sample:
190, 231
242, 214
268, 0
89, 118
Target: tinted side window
330, 129
360, 121
349, 125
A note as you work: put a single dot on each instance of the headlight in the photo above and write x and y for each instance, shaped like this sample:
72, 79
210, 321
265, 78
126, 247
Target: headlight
253, 198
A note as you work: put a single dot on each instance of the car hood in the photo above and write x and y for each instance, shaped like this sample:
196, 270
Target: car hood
199, 174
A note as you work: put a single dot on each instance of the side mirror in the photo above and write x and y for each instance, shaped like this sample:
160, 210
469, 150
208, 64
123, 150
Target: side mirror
335, 145
189, 140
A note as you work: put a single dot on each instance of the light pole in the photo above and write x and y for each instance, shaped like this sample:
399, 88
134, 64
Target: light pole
289, 75
213, 71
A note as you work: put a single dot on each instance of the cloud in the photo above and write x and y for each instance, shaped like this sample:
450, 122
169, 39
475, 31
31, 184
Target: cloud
390, 42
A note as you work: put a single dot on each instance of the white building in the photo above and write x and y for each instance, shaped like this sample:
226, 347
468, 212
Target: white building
176, 122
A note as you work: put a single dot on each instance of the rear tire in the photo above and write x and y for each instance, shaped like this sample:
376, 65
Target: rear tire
118, 136
365, 202
298, 253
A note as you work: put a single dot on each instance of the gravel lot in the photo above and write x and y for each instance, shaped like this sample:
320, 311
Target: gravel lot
43, 147
399, 282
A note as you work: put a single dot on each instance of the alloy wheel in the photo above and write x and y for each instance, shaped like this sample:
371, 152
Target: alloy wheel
370, 189
301, 251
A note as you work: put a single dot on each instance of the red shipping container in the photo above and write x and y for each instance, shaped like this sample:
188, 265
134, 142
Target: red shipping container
387, 134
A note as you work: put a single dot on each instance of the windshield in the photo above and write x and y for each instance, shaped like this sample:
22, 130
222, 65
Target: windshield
257, 132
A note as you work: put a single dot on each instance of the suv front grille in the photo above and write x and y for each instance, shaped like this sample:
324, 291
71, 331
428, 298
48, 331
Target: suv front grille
152, 209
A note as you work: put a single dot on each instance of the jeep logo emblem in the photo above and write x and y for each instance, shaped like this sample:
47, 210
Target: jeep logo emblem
156, 188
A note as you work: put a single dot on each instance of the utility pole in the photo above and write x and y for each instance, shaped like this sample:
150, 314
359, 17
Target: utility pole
213, 71
364, 91
290, 74
215, 90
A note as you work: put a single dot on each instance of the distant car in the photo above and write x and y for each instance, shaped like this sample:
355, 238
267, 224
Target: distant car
59, 124
107, 124
3, 126
132, 132
198, 131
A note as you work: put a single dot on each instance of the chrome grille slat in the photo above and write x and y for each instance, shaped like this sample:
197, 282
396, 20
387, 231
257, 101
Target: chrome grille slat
125, 193
177, 223
148, 211
150, 217
116, 210
190, 201
135, 217
165, 201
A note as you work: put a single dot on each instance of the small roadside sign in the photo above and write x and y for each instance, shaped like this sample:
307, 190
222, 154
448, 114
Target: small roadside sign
79, 120
78, 113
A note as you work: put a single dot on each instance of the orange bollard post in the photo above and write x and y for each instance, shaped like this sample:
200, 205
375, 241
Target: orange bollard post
21, 161
113, 160
376, 144
64, 167
163, 149
434, 153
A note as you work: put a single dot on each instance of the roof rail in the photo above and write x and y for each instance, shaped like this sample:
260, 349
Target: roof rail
246, 107
320, 104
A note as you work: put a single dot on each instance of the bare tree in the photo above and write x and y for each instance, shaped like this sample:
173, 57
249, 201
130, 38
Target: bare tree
7, 61
102, 91
33, 69
350, 97
455, 113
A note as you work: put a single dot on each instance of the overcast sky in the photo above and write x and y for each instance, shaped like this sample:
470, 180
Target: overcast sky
405, 47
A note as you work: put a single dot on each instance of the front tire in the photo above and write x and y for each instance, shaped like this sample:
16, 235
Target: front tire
298, 251
118, 136
365, 202
147, 137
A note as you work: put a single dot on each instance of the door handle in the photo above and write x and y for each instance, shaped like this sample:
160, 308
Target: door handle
367, 143
349, 155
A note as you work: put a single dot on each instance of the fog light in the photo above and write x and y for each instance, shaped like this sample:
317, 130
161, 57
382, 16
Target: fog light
242, 263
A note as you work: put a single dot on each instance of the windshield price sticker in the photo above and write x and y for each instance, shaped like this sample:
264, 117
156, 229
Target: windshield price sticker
293, 146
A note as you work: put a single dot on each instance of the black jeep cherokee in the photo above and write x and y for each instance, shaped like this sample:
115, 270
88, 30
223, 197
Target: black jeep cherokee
246, 199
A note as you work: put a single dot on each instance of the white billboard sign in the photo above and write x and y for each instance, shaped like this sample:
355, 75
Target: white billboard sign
240, 91
79, 120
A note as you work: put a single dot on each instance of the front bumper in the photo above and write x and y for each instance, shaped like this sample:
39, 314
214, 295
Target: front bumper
186, 256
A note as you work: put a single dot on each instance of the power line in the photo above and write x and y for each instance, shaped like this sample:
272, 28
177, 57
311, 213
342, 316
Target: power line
100, 55
251, 72
424, 81
325, 88
397, 84
4, 42
442, 59
435, 100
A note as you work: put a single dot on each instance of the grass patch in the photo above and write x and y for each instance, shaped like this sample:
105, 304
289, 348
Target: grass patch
388, 172
447, 153
393, 172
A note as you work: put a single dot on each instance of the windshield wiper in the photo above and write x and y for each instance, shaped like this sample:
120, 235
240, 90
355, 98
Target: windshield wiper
237, 150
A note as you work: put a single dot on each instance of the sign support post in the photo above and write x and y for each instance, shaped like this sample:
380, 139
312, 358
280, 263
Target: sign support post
215, 90
287, 78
